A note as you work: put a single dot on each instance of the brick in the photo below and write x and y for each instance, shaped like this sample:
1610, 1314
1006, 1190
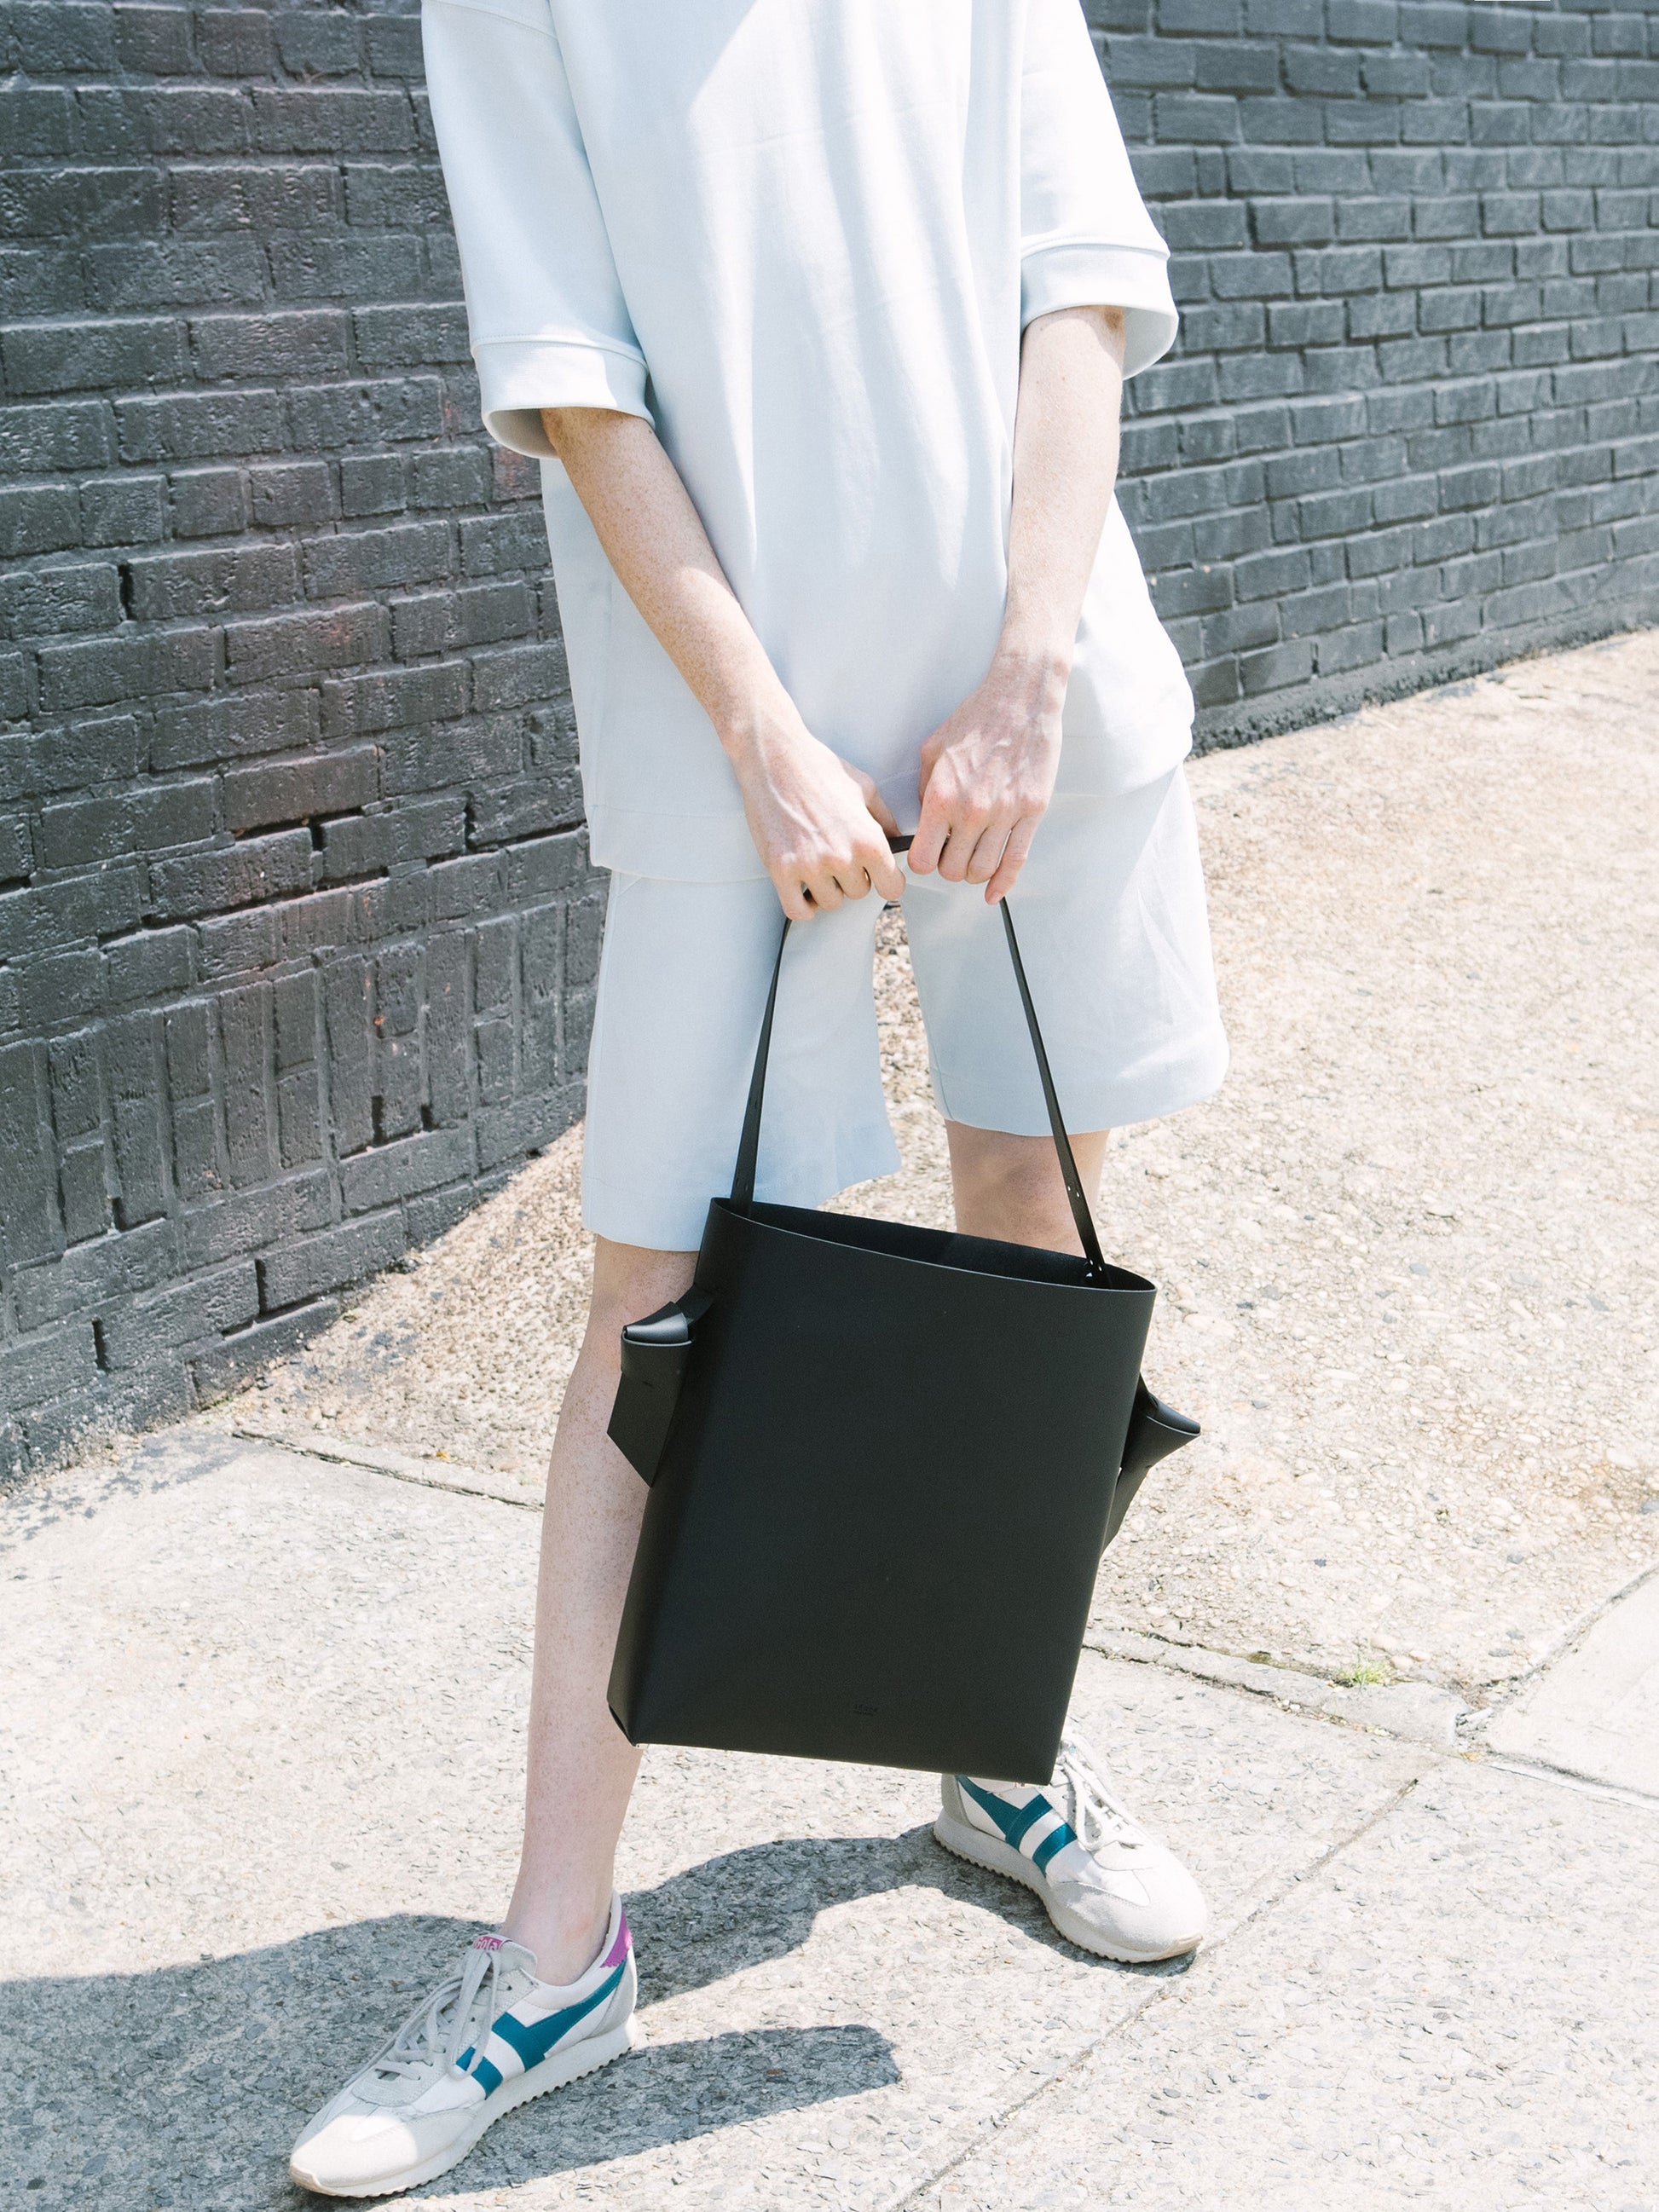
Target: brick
337, 120
126, 510
372, 484
154, 39
209, 503
301, 343
250, 873
492, 545
38, 519
304, 645
289, 493
230, 729
331, 1259
333, 415
80, 204
248, 1221
67, 595
197, 425
99, 672
116, 1266
237, 1357
252, 198
83, 831
387, 1173
193, 1312
46, 358
295, 791
360, 706
29, 1210
47, 1365
165, 585
151, 964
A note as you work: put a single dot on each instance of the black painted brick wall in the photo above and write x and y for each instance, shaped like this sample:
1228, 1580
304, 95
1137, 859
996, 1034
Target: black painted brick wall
297, 926
297, 929
1411, 425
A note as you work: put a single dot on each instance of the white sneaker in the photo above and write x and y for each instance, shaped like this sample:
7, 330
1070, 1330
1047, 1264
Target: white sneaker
489, 2037
1107, 1885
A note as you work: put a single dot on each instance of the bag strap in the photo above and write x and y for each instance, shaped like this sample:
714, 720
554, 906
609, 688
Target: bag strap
742, 1178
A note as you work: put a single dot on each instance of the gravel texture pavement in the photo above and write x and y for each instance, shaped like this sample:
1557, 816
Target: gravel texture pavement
1408, 1253
261, 1723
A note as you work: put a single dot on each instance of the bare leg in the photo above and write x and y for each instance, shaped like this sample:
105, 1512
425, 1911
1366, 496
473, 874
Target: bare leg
1011, 1186
581, 1766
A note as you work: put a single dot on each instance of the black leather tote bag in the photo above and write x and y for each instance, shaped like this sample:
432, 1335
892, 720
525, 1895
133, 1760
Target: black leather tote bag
883, 1463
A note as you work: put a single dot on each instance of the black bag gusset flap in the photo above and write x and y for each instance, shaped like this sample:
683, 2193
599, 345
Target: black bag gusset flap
655, 1354
1155, 1431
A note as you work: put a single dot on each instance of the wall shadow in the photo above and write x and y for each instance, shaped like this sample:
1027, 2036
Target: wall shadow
179, 2090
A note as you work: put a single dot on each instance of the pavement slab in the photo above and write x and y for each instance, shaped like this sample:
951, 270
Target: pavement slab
261, 1721
1406, 1253
1596, 1713
1461, 2010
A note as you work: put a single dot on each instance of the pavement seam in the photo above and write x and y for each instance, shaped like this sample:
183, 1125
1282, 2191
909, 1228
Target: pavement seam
461, 1482
1167, 1991
1567, 1642
1567, 1777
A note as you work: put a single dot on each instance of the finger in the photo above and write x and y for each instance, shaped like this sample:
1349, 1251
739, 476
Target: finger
1013, 860
932, 831
883, 870
792, 897
878, 806
990, 849
965, 833
881, 811
824, 891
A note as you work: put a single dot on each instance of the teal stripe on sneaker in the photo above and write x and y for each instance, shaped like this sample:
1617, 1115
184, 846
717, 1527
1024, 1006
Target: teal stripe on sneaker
1050, 1845
1014, 1820
487, 2078
533, 2039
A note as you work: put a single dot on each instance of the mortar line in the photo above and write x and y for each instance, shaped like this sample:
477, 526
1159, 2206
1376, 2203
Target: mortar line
1166, 1991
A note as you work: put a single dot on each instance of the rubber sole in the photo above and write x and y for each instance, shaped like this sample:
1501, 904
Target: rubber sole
998, 1858
553, 2073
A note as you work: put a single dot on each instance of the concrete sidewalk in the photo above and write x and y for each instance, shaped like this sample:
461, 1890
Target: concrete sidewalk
263, 1722
1380, 1653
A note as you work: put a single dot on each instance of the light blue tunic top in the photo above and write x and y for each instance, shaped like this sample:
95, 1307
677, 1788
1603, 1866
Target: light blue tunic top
801, 237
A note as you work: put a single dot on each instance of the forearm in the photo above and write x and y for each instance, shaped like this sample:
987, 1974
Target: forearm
987, 773
818, 825
1065, 451
654, 539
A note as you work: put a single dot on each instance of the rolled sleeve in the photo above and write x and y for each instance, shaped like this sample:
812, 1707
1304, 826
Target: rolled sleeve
549, 323
1086, 237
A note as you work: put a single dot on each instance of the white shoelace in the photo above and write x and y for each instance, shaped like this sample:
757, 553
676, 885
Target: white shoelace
1098, 1816
440, 2029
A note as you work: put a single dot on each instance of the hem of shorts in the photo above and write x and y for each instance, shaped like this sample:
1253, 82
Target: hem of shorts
663, 1221
1117, 1104
634, 841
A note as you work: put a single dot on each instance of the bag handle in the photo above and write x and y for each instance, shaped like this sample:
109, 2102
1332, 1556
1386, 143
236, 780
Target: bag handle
742, 1178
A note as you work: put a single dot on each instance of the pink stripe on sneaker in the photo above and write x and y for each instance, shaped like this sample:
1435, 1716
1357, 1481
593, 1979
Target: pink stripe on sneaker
620, 1948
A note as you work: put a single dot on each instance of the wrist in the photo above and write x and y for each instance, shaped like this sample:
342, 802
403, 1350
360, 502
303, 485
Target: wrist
751, 727
1034, 666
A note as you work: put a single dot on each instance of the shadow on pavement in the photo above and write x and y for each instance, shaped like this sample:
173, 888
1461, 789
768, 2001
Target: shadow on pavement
183, 2087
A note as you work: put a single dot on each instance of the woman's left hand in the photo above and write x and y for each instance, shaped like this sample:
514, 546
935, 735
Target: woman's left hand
987, 774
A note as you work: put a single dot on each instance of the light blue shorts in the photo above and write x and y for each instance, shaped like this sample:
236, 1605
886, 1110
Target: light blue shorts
1115, 936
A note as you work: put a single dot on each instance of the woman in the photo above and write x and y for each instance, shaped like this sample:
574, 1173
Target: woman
817, 313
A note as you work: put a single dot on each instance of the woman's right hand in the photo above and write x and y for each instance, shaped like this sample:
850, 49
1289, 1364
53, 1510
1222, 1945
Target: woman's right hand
819, 824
